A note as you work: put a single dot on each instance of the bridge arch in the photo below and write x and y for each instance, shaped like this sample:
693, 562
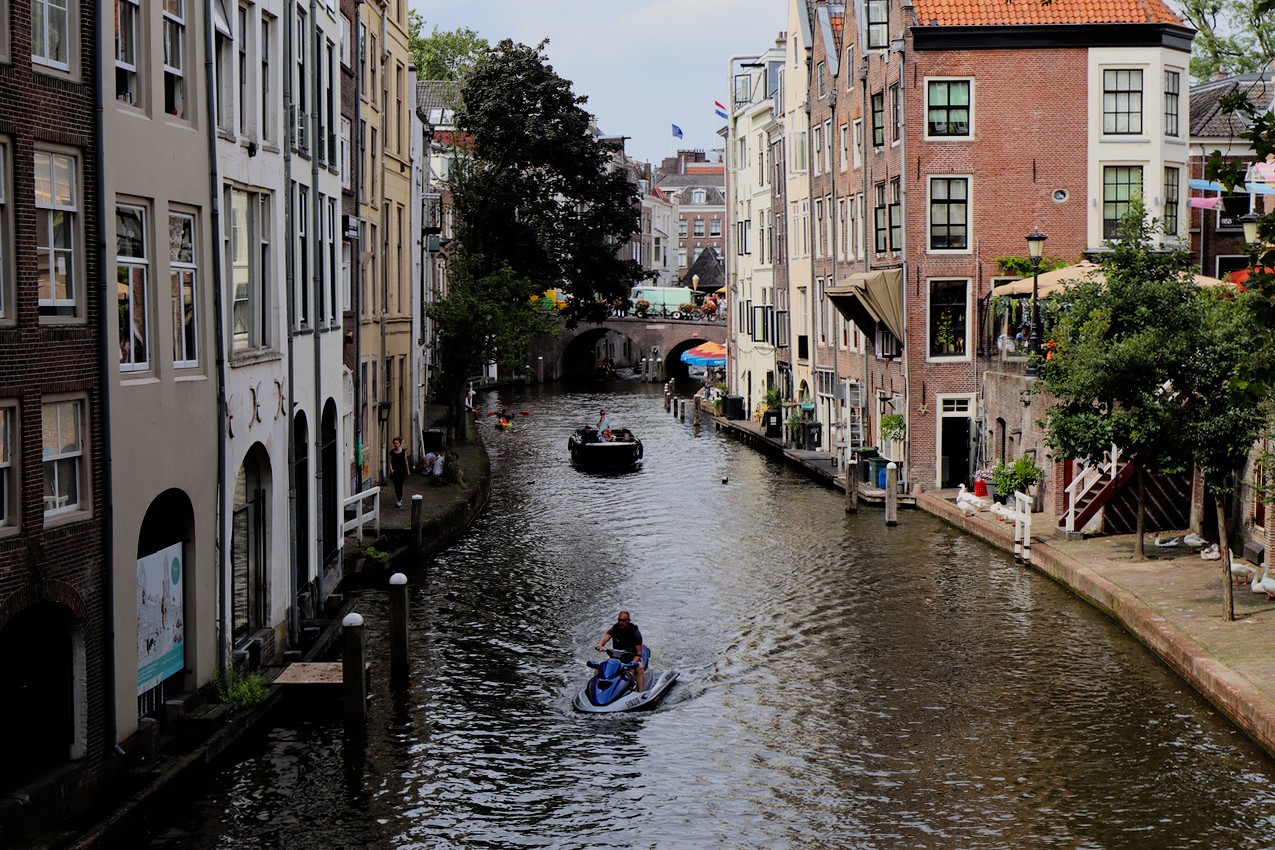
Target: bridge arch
627, 340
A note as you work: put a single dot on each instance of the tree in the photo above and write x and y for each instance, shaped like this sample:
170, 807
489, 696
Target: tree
1119, 348
1232, 36
1223, 422
442, 55
538, 204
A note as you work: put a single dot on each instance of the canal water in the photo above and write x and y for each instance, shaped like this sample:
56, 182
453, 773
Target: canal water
842, 684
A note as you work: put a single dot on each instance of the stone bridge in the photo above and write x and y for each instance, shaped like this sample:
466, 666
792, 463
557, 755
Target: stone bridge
651, 346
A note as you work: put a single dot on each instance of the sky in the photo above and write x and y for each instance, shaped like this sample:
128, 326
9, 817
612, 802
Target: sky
644, 65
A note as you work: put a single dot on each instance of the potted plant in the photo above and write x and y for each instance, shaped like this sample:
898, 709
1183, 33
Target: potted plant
793, 426
893, 429
1016, 477
772, 399
641, 306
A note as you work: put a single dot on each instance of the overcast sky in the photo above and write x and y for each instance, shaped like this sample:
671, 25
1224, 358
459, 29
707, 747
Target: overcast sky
644, 65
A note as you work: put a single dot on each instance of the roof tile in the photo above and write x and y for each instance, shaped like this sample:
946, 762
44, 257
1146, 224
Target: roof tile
957, 13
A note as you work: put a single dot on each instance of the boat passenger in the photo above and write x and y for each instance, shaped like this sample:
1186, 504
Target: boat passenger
607, 436
626, 637
603, 422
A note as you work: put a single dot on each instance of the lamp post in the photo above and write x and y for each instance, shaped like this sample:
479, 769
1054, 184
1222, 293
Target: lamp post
1249, 223
1035, 247
383, 418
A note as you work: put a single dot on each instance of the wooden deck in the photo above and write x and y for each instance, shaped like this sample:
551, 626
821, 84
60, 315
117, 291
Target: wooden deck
312, 673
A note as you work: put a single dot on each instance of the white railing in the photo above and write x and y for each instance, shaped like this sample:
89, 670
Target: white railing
1090, 476
362, 515
1023, 525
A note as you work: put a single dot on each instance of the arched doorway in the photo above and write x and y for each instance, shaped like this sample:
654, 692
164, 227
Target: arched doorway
250, 544
301, 481
165, 608
42, 667
330, 513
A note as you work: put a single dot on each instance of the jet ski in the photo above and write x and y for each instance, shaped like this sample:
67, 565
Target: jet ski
614, 688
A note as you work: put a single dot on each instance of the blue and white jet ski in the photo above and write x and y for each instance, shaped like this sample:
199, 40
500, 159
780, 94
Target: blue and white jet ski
614, 688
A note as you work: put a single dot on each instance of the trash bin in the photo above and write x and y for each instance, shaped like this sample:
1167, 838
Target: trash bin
432, 438
865, 454
733, 407
773, 422
876, 471
813, 432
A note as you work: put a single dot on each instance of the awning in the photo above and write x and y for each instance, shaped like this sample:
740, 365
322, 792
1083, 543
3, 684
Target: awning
1211, 186
1052, 282
870, 297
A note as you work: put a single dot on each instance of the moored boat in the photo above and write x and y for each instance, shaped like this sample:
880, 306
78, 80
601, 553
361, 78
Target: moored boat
589, 450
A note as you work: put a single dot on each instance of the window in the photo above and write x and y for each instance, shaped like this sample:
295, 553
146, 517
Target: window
301, 90
896, 113
949, 213
682, 228
248, 257
879, 213
245, 92
8, 470
57, 220
948, 108
62, 424
223, 70
302, 265
132, 277
714, 227
1120, 185
185, 286
175, 57
681, 258
878, 24
1172, 186
820, 248
948, 314
698, 228
345, 153
858, 143
798, 150
4, 32
127, 19
845, 146
6, 243
825, 152
822, 77
248, 545
1172, 89
1122, 101
816, 165
345, 42
878, 119
267, 99
699, 196
896, 214
51, 33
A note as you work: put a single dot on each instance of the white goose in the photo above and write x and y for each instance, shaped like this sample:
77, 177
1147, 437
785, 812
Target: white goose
1242, 573
1164, 542
1211, 553
1004, 513
1194, 540
963, 496
1264, 584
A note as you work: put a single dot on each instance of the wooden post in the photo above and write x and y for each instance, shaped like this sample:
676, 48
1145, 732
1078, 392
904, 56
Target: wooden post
695, 424
418, 512
852, 486
353, 672
398, 628
891, 493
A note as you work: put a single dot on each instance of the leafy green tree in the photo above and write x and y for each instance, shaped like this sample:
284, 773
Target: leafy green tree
1119, 348
1223, 421
1232, 36
442, 55
538, 204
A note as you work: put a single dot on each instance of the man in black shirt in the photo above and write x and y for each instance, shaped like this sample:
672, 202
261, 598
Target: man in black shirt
626, 637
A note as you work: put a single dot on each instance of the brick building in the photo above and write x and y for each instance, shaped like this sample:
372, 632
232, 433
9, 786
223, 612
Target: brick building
54, 630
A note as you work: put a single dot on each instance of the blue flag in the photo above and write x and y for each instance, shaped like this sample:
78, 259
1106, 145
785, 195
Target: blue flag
677, 132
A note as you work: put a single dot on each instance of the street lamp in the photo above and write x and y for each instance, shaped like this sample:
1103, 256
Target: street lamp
1250, 222
1035, 247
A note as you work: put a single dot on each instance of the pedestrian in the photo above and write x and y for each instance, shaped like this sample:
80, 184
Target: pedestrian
398, 470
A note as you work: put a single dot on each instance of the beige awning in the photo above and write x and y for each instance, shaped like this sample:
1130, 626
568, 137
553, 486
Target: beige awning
1057, 280
870, 297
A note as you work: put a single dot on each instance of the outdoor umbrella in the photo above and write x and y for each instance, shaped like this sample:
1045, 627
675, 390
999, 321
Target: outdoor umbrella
711, 354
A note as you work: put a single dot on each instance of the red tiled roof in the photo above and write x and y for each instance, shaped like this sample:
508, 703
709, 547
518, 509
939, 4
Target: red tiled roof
957, 13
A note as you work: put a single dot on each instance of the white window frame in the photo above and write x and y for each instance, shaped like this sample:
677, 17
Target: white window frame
248, 261
131, 271
268, 105
128, 15
844, 140
346, 42
715, 227
42, 12
184, 275
965, 348
7, 313
57, 452
968, 135
948, 179
699, 196
174, 18
9, 468
51, 207
5, 42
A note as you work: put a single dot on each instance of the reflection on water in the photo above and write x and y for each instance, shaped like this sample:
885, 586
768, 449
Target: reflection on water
843, 684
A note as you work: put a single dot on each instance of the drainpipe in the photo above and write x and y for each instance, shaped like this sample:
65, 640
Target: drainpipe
316, 418
289, 229
382, 434
219, 345
903, 231
108, 522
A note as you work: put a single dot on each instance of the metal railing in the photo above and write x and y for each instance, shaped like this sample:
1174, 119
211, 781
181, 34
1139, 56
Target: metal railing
362, 516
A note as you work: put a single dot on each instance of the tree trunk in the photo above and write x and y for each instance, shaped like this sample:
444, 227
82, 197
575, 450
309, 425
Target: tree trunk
1139, 549
1224, 546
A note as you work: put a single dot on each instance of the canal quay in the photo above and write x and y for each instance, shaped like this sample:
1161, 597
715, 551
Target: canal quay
843, 682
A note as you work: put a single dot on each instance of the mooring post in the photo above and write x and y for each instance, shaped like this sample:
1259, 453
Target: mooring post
353, 672
398, 628
418, 512
666, 398
695, 427
891, 493
852, 486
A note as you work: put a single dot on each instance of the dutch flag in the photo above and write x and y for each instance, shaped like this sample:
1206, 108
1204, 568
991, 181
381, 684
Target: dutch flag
721, 110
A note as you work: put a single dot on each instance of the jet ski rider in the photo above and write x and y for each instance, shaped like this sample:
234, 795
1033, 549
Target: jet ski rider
625, 636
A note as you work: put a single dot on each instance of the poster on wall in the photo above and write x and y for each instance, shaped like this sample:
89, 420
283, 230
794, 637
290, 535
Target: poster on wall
161, 626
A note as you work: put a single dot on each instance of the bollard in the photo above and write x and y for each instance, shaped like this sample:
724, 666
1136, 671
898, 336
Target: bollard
681, 409
398, 628
891, 494
696, 422
852, 487
666, 400
353, 672
418, 513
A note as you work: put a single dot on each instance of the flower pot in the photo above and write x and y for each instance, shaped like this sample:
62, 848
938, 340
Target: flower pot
980, 489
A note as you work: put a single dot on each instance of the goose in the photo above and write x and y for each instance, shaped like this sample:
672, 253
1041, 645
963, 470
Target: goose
1164, 542
1194, 540
1211, 553
1004, 513
966, 509
963, 496
1263, 584
1242, 573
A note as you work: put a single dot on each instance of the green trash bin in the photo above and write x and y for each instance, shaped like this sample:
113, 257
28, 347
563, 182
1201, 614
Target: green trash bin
876, 471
